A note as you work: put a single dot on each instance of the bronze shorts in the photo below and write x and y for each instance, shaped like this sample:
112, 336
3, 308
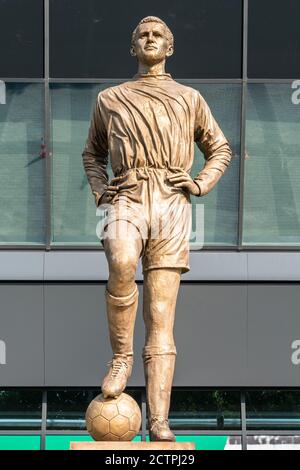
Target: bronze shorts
160, 212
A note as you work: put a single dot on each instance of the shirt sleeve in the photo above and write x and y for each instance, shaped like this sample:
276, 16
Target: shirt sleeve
95, 154
213, 144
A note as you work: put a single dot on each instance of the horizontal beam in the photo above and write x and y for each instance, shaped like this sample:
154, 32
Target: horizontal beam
91, 265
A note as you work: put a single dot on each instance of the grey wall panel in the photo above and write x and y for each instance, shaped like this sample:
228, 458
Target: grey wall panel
218, 266
21, 265
21, 331
76, 338
77, 265
211, 335
230, 334
273, 327
92, 266
274, 266
86, 265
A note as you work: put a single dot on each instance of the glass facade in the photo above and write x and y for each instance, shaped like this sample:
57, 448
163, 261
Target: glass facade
74, 216
272, 166
211, 410
45, 197
221, 206
20, 409
22, 38
273, 410
22, 159
274, 46
84, 46
213, 419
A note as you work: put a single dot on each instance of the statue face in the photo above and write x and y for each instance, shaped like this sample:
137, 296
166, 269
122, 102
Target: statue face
151, 44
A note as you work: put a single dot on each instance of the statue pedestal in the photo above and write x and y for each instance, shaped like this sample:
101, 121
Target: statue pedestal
117, 445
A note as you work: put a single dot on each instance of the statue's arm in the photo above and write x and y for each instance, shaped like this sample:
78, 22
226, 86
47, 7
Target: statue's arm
213, 144
95, 154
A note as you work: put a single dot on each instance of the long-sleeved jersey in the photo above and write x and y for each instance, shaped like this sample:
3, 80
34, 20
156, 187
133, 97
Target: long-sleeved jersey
153, 122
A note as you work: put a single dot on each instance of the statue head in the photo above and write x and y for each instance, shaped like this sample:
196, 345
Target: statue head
152, 41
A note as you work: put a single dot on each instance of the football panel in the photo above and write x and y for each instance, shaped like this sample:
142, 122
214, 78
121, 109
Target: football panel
109, 411
119, 425
100, 427
94, 409
135, 422
128, 436
111, 437
126, 408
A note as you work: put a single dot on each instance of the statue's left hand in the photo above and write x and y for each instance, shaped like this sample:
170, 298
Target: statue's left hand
183, 180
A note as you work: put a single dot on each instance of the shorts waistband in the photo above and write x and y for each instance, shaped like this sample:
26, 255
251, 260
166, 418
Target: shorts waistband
147, 169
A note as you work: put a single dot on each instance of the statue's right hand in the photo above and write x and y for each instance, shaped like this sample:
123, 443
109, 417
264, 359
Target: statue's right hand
108, 195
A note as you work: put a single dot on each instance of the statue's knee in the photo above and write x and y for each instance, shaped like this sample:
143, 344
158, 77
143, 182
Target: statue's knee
123, 264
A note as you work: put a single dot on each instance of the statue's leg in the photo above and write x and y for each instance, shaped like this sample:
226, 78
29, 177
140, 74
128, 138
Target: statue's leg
121, 304
159, 303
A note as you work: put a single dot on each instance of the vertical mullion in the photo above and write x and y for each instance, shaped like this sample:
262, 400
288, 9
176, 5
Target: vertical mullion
243, 418
48, 154
243, 125
144, 415
44, 420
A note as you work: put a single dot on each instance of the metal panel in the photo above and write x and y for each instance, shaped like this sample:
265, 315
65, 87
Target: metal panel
227, 335
210, 334
274, 266
76, 336
77, 346
21, 331
78, 266
84, 266
219, 266
21, 265
205, 266
273, 335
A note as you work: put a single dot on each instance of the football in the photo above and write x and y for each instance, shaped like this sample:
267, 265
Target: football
113, 419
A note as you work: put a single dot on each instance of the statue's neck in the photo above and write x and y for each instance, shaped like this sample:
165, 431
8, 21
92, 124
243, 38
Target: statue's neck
156, 69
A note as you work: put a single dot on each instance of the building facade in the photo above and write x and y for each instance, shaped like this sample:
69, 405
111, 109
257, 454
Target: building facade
237, 320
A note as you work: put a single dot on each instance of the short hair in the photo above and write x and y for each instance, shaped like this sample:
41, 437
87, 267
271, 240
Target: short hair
154, 19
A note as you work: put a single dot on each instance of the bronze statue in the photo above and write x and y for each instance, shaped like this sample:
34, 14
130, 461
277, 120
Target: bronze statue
148, 126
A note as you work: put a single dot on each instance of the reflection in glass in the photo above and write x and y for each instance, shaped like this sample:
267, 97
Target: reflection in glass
205, 410
22, 160
66, 408
221, 204
273, 409
20, 409
74, 216
272, 166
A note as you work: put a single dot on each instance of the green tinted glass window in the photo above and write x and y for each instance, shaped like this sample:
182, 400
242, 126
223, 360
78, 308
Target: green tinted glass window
221, 204
272, 166
20, 409
273, 409
191, 409
22, 161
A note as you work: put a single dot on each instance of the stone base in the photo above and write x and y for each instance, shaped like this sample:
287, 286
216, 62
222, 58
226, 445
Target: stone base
119, 445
